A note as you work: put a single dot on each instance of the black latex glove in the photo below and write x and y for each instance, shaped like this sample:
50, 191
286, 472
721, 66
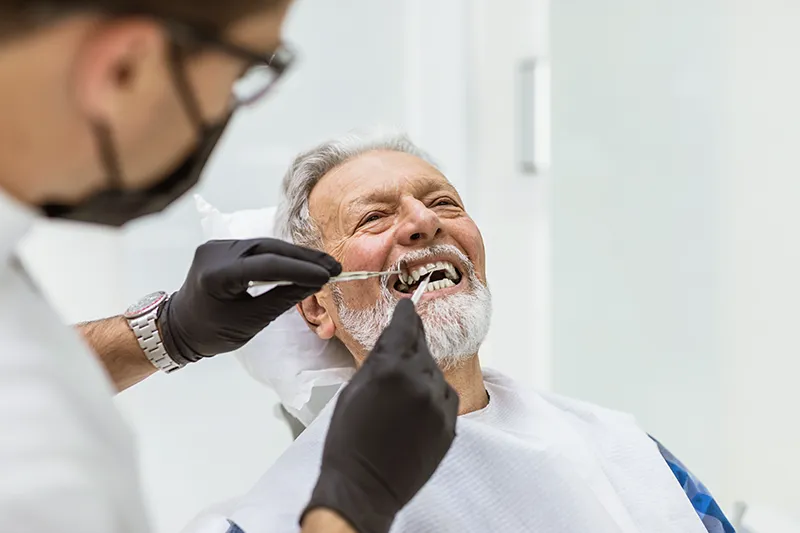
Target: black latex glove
391, 427
212, 313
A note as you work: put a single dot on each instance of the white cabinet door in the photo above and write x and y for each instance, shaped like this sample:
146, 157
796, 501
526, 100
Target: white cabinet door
509, 134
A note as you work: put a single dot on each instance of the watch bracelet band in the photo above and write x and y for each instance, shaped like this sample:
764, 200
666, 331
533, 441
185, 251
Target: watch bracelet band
149, 338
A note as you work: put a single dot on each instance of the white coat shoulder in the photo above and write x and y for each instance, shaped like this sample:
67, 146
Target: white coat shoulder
66, 458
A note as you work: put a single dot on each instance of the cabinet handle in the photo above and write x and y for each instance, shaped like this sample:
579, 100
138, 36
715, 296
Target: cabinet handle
526, 121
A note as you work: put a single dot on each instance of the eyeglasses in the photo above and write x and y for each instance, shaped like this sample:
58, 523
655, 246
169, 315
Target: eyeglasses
261, 73
259, 78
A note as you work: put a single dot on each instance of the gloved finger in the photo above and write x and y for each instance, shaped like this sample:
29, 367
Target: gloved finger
286, 249
290, 295
423, 361
401, 335
234, 279
274, 303
422, 357
450, 403
406, 313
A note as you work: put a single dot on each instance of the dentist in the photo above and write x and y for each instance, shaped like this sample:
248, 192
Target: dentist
110, 109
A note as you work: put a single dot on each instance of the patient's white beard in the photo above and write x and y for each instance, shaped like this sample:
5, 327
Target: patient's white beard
455, 325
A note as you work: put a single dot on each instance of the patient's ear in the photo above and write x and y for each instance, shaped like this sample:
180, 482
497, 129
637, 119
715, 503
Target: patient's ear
317, 317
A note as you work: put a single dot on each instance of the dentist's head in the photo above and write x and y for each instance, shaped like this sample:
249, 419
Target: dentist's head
111, 108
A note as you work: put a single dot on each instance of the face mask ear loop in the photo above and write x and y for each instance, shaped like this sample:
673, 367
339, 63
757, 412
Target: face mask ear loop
184, 88
108, 154
105, 142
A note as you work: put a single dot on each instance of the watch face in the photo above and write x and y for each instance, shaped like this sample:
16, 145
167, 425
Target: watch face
145, 305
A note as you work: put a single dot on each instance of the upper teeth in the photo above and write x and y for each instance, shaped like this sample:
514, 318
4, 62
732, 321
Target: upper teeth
412, 276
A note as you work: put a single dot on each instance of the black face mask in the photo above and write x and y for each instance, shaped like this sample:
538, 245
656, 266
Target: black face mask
116, 206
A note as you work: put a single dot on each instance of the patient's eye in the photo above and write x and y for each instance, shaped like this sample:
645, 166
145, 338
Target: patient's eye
444, 202
372, 217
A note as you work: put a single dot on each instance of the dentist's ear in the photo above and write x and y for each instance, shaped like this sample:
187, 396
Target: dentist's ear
317, 317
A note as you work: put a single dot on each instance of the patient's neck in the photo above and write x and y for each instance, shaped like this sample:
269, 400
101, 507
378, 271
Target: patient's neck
467, 380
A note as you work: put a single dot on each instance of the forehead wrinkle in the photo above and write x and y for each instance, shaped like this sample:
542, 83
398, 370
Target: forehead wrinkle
388, 194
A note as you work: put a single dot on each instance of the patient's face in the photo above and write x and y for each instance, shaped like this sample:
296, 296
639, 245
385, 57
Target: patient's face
389, 210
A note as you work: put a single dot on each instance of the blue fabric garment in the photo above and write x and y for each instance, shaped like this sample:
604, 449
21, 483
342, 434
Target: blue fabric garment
703, 502
234, 528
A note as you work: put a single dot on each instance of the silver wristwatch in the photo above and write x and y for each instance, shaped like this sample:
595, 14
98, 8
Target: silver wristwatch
141, 318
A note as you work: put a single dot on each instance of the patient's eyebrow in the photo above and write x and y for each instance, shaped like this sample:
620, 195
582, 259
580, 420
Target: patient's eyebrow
389, 196
359, 203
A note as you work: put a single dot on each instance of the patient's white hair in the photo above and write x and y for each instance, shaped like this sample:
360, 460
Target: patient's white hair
293, 219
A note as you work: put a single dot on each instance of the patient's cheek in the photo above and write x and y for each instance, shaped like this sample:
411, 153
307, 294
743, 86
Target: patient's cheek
366, 253
471, 239
370, 254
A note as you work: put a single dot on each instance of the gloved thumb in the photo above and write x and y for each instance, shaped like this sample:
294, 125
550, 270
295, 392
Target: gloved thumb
403, 331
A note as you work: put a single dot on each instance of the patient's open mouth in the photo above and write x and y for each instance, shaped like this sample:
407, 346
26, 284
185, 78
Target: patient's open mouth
443, 274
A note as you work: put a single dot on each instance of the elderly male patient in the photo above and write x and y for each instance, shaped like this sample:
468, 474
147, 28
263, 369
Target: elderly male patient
522, 461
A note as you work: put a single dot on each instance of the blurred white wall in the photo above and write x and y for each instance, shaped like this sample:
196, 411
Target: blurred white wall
675, 129
78, 265
637, 117
511, 207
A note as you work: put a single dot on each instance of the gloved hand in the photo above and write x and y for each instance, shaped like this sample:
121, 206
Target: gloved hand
212, 312
392, 426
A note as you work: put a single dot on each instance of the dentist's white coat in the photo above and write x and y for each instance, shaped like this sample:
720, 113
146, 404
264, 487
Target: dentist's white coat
67, 462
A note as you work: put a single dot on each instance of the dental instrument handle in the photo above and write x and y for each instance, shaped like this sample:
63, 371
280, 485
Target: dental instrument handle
352, 276
270, 283
423, 285
345, 276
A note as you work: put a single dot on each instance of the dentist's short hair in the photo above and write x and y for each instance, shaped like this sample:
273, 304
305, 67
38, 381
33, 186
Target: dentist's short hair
20, 16
294, 220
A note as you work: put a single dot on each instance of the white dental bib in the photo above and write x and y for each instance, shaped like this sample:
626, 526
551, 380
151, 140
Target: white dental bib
527, 462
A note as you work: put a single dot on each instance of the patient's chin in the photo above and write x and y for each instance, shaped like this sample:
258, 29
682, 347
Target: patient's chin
456, 326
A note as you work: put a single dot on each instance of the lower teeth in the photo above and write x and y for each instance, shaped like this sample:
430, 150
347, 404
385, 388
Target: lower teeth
438, 285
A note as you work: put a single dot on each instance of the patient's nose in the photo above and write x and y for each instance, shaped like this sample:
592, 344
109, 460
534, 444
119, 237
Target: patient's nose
419, 224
